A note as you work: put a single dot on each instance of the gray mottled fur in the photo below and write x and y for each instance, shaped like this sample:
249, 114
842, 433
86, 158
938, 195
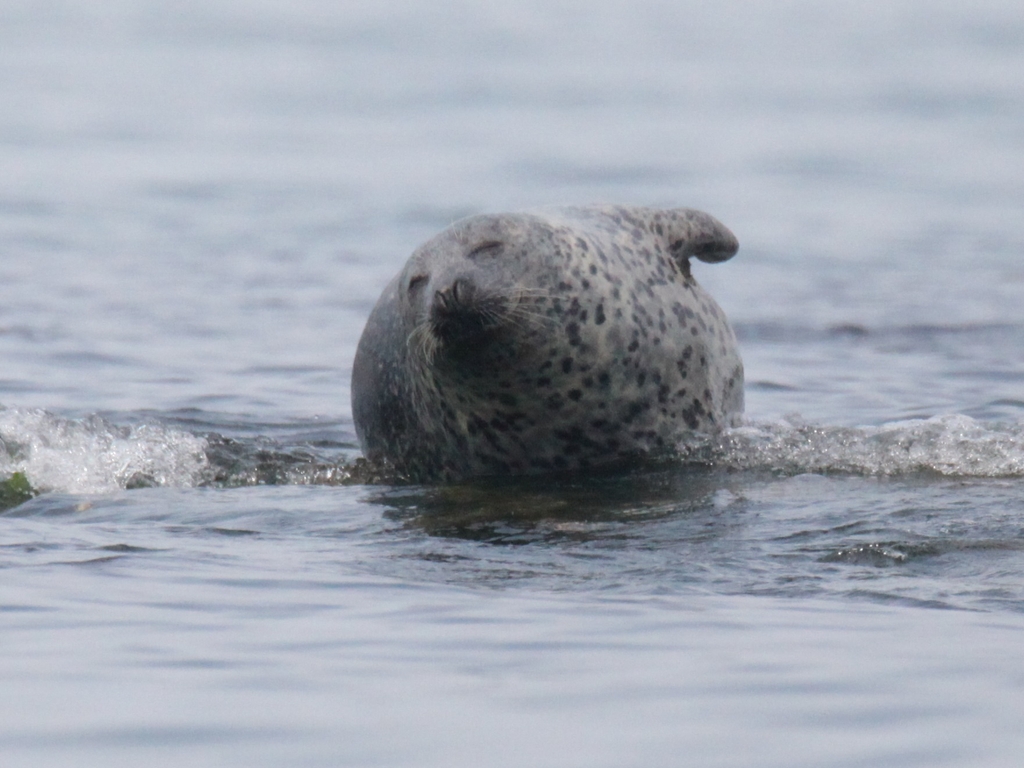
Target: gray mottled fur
552, 340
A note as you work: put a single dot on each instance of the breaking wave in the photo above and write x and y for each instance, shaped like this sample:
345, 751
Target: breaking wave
952, 446
92, 455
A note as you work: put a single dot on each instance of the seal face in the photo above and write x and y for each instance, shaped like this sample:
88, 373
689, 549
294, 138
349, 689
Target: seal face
533, 342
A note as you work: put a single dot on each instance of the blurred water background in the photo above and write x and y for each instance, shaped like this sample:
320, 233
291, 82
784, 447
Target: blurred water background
199, 204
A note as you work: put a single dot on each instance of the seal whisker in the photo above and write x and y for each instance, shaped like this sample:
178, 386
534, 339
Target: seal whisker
527, 318
524, 311
422, 343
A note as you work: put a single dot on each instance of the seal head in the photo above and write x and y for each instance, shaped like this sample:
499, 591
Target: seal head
542, 341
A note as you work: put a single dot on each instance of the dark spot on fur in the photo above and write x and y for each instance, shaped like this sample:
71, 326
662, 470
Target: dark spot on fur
633, 410
573, 331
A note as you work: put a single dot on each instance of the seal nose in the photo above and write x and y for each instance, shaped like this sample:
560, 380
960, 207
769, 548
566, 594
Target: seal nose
456, 313
458, 296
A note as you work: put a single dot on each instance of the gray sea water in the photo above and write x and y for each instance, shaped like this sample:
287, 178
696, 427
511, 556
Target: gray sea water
199, 204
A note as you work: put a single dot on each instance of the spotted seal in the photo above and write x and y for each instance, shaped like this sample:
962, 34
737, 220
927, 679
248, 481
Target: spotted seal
558, 339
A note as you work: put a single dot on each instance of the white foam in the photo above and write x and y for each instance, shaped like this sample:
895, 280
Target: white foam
94, 456
952, 445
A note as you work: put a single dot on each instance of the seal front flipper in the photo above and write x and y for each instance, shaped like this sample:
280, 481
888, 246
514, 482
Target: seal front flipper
695, 233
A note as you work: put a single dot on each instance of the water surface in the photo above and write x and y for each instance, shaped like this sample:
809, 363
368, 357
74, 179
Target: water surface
200, 203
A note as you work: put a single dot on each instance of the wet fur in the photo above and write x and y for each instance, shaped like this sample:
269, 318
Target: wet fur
545, 341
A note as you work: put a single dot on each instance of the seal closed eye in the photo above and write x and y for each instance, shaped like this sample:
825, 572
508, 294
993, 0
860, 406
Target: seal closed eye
587, 343
489, 248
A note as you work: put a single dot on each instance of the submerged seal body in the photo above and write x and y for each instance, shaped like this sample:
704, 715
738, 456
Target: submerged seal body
562, 339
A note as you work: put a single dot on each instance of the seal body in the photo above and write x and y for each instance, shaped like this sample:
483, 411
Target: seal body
560, 339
